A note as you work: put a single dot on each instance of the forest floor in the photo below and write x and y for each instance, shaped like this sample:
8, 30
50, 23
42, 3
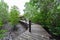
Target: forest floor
11, 35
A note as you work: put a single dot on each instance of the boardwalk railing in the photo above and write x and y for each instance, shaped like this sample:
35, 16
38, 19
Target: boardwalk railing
24, 23
27, 24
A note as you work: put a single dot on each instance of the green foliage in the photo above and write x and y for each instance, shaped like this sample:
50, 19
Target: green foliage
44, 12
2, 33
3, 17
6, 17
14, 15
3, 11
1, 23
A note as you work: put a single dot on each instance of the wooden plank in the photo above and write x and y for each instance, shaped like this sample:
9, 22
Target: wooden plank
37, 33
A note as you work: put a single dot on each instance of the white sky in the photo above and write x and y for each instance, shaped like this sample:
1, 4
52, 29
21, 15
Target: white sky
19, 3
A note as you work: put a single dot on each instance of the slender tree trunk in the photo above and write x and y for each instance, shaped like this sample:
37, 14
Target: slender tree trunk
15, 28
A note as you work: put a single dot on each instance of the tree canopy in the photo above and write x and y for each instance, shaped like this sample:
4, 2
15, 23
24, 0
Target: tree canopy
14, 15
44, 12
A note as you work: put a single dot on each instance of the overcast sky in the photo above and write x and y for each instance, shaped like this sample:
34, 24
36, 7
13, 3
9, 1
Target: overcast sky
18, 3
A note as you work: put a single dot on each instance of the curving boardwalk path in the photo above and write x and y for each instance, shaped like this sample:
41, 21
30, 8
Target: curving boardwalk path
37, 33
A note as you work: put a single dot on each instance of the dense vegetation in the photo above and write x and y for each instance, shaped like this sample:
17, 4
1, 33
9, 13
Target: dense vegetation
45, 13
7, 17
14, 16
3, 17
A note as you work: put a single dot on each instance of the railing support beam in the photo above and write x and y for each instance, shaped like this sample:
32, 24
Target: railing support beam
30, 26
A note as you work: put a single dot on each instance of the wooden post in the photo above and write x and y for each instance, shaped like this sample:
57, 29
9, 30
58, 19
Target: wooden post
29, 25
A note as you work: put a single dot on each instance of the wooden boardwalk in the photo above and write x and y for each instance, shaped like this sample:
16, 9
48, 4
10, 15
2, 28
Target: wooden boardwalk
37, 33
